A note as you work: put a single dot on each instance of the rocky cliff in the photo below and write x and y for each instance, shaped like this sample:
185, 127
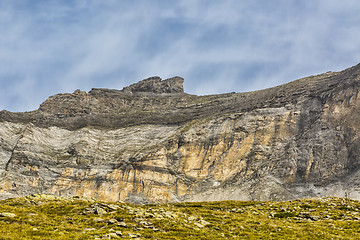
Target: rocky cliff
151, 142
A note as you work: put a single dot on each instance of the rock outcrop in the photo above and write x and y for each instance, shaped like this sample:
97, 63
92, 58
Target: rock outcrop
156, 85
151, 142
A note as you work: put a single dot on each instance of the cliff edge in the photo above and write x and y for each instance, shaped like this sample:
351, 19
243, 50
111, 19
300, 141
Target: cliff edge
151, 142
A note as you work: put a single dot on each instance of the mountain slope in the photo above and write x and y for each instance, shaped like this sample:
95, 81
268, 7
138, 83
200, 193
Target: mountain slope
151, 142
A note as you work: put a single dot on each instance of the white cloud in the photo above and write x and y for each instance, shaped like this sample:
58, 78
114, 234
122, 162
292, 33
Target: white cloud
57, 46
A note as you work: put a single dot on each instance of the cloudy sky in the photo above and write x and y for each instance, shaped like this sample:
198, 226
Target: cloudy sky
218, 46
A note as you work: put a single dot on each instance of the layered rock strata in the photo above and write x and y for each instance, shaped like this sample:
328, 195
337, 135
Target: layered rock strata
151, 142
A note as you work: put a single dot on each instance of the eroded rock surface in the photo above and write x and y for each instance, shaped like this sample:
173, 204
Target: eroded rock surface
151, 142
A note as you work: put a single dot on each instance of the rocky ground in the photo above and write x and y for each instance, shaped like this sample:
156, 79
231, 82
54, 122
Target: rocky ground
52, 217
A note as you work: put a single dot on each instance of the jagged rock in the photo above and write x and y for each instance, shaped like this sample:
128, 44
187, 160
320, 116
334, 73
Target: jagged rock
157, 85
151, 142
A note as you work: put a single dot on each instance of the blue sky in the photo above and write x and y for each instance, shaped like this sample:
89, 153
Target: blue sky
55, 46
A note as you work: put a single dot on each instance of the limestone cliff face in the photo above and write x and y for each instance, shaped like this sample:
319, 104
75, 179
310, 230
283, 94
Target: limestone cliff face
151, 142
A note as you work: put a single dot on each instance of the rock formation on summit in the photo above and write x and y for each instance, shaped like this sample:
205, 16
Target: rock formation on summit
156, 85
151, 142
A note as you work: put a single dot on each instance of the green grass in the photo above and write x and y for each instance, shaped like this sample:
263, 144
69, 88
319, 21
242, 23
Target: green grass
48, 217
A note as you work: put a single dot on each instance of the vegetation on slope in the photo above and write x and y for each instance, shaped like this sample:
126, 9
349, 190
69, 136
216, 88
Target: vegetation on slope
49, 217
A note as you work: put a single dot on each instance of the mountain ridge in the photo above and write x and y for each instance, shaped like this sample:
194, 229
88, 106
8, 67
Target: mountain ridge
151, 142
270, 97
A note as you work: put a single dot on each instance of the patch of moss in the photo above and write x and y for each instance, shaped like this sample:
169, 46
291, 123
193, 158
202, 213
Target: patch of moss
188, 126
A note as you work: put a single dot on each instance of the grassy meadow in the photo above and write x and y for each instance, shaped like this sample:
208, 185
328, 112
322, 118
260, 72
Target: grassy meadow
50, 217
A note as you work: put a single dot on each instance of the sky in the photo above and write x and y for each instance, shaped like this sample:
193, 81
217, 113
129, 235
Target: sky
57, 46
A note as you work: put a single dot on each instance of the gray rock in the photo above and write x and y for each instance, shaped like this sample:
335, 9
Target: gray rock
134, 235
199, 225
98, 220
90, 229
112, 207
112, 221
154, 229
314, 217
151, 142
114, 235
100, 211
203, 222
157, 86
145, 223
121, 224
7, 214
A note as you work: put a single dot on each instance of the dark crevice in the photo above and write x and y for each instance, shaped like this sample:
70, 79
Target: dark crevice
16, 144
